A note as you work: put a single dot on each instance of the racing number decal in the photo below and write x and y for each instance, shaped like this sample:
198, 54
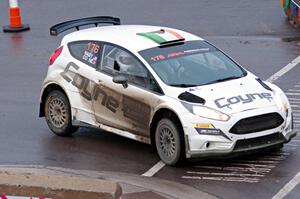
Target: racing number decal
92, 47
91, 53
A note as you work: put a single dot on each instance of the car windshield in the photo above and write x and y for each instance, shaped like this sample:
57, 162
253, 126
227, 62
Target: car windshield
192, 63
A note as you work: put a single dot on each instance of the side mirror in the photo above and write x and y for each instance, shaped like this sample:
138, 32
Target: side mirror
120, 79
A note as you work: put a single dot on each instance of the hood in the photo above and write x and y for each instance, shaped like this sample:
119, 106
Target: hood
233, 96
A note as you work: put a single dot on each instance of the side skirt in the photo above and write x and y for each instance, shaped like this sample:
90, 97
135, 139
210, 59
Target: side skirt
114, 130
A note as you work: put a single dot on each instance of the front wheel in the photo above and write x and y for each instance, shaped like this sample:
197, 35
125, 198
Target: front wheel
169, 141
58, 114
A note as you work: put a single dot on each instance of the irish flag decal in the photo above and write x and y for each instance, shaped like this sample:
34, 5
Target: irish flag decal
162, 36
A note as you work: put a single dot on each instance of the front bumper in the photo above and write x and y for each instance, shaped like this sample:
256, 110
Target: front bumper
245, 145
199, 145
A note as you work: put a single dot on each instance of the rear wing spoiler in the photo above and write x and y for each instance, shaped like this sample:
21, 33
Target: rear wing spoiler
61, 27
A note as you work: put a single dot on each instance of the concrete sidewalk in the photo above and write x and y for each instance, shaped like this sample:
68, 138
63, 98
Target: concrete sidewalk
69, 180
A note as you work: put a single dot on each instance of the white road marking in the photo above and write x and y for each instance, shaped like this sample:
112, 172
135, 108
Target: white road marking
242, 169
253, 165
297, 138
294, 102
229, 179
279, 158
281, 153
292, 94
294, 90
259, 161
288, 187
296, 99
293, 145
226, 174
158, 166
293, 140
284, 70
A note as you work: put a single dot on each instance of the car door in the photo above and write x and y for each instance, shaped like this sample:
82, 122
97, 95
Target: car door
124, 107
78, 73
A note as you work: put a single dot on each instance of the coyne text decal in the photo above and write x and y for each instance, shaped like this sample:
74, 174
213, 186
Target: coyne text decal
247, 98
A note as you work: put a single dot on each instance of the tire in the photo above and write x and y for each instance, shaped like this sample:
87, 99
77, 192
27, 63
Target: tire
58, 114
169, 142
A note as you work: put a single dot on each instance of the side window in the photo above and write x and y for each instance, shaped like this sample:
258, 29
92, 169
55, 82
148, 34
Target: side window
108, 63
118, 61
86, 51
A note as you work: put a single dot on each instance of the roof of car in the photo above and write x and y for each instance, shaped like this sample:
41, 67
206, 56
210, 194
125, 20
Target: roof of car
132, 37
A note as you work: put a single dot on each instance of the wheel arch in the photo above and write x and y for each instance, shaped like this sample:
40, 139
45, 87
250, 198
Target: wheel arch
159, 114
50, 87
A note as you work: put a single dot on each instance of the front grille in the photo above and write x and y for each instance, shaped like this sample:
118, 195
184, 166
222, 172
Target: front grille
257, 123
274, 138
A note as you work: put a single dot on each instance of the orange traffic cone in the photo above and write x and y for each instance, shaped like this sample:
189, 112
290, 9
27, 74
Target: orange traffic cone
15, 19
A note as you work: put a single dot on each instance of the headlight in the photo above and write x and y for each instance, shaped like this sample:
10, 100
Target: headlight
281, 105
210, 113
279, 102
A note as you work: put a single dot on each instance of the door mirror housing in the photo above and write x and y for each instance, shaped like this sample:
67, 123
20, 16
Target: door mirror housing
121, 79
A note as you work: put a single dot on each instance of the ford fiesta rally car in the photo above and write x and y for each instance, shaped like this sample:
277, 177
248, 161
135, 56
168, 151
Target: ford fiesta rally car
161, 86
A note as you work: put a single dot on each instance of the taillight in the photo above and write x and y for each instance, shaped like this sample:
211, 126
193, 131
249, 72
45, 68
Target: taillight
55, 55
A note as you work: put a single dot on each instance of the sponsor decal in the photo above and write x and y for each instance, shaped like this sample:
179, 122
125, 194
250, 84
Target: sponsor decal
90, 57
247, 98
133, 109
157, 58
171, 55
208, 129
89, 89
91, 52
203, 125
136, 111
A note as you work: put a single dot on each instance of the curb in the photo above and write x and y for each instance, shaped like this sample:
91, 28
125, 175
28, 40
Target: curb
55, 186
167, 188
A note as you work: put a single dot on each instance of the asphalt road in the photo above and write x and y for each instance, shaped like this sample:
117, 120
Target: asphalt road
249, 31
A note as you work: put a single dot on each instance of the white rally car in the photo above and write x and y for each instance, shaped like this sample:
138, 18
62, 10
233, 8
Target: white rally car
161, 86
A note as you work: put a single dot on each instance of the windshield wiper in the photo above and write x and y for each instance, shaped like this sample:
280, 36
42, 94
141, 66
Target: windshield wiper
225, 79
183, 85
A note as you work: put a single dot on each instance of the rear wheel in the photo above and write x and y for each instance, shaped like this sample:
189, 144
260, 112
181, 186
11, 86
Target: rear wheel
169, 141
58, 114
